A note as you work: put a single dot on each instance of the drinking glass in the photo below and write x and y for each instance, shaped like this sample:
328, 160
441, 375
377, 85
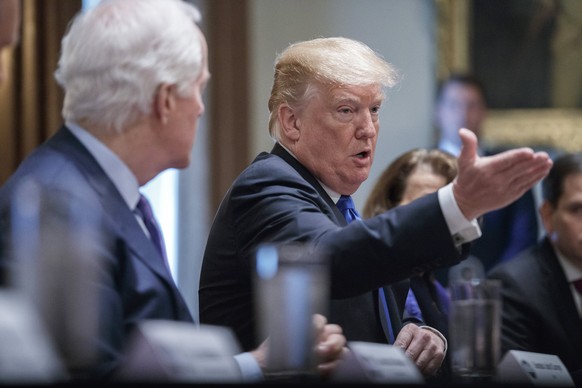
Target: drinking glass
474, 328
291, 285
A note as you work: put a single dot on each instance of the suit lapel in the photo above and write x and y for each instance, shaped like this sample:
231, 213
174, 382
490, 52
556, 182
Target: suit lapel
116, 211
554, 278
283, 154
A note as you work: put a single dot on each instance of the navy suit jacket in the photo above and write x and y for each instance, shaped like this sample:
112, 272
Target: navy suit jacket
277, 200
136, 283
539, 314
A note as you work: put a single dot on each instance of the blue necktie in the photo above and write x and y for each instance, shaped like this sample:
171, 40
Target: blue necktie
348, 209
144, 210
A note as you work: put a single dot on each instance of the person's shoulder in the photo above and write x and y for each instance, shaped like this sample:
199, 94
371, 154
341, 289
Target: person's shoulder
520, 266
49, 170
265, 168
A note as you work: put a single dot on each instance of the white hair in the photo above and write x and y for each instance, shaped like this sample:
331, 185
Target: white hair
115, 56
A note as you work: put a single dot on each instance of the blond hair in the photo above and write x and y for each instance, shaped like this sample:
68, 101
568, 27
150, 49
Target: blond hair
304, 66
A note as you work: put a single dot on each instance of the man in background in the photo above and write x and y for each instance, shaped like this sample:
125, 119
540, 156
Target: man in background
461, 102
542, 287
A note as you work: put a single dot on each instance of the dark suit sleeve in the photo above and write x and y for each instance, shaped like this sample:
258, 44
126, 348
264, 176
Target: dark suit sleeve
271, 202
365, 255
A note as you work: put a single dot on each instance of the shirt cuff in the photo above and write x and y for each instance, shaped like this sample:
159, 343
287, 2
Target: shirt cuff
250, 370
462, 230
429, 328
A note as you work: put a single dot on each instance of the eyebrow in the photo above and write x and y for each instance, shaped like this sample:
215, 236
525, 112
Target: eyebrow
355, 100
349, 100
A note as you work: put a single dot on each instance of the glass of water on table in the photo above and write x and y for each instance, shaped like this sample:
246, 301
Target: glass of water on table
475, 329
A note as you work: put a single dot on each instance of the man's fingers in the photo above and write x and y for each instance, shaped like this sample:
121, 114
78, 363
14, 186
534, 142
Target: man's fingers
319, 322
421, 343
405, 336
423, 347
491, 182
330, 346
430, 365
469, 148
325, 368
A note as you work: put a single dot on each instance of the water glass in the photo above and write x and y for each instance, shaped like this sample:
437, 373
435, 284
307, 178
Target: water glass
474, 328
291, 285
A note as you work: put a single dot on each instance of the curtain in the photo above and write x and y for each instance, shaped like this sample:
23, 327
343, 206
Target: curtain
30, 99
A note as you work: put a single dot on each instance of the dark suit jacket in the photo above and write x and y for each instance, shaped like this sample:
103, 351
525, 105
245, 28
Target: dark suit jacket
277, 200
539, 314
507, 232
136, 284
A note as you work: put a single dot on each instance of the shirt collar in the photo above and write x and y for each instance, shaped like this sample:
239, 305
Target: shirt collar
332, 194
121, 176
572, 273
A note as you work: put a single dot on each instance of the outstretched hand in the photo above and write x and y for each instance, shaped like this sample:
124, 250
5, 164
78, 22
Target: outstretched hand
488, 183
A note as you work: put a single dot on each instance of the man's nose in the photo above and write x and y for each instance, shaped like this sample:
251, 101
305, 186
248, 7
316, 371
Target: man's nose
366, 127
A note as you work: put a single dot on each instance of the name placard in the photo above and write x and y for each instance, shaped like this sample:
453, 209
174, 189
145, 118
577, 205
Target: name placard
377, 363
161, 350
533, 368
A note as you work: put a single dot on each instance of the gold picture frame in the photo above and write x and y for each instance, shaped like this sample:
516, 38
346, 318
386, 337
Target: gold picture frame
546, 128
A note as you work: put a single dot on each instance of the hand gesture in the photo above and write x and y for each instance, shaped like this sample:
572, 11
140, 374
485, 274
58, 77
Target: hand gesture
488, 183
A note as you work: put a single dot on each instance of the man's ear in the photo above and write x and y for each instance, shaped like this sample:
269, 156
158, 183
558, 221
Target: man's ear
289, 123
164, 102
